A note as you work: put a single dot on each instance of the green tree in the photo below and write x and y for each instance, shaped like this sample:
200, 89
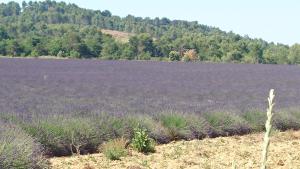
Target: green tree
294, 54
276, 54
134, 45
256, 51
111, 50
72, 42
3, 34
74, 54
54, 46
34, 53
24, 5
47, 27
145, 56
232, 56
12, 48
142, 44
94, 44
10, 9
127, 52
174, 56
2, 48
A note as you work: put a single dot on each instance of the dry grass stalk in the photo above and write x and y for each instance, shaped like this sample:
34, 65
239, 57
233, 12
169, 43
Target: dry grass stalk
268, 130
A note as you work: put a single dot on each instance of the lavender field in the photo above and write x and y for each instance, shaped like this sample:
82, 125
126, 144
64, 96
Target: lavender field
68, 86
84, 103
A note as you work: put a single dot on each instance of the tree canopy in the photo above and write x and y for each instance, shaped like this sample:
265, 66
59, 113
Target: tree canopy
66, 30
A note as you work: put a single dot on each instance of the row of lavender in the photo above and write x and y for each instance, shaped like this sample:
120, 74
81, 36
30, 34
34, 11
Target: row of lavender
25, 142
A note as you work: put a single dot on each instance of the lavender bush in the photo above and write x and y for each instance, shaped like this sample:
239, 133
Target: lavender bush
18, 150
63, 135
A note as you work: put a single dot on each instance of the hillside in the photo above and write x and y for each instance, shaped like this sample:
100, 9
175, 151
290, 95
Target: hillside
66, 30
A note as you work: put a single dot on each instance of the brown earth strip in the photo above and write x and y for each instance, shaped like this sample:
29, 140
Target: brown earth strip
221, 153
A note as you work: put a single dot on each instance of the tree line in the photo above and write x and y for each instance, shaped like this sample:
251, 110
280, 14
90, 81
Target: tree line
66, 30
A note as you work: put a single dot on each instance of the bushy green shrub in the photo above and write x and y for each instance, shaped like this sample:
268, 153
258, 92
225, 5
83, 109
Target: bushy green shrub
284, 121
256, 120
18, 150
155, 128
141, 142
145, 56
114, 126
184, 126
108, 57
186, 59
65, 135
174, 56
197, 125
61, 54
34, 53
176, 124
295, 113
74, 54
114, 149
226, 124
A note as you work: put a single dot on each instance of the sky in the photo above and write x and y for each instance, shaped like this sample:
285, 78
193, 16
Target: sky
272, 20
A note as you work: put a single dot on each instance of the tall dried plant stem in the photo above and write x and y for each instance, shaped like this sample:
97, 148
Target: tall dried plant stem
268, 130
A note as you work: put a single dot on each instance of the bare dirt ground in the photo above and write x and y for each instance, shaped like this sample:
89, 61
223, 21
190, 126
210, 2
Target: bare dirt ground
120, 36
218, 153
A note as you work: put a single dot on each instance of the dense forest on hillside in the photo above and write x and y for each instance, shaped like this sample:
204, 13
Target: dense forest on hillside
66, 30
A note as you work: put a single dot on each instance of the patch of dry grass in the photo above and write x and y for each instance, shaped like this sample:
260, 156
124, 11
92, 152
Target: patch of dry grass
120, 36
221, 153
114, 149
